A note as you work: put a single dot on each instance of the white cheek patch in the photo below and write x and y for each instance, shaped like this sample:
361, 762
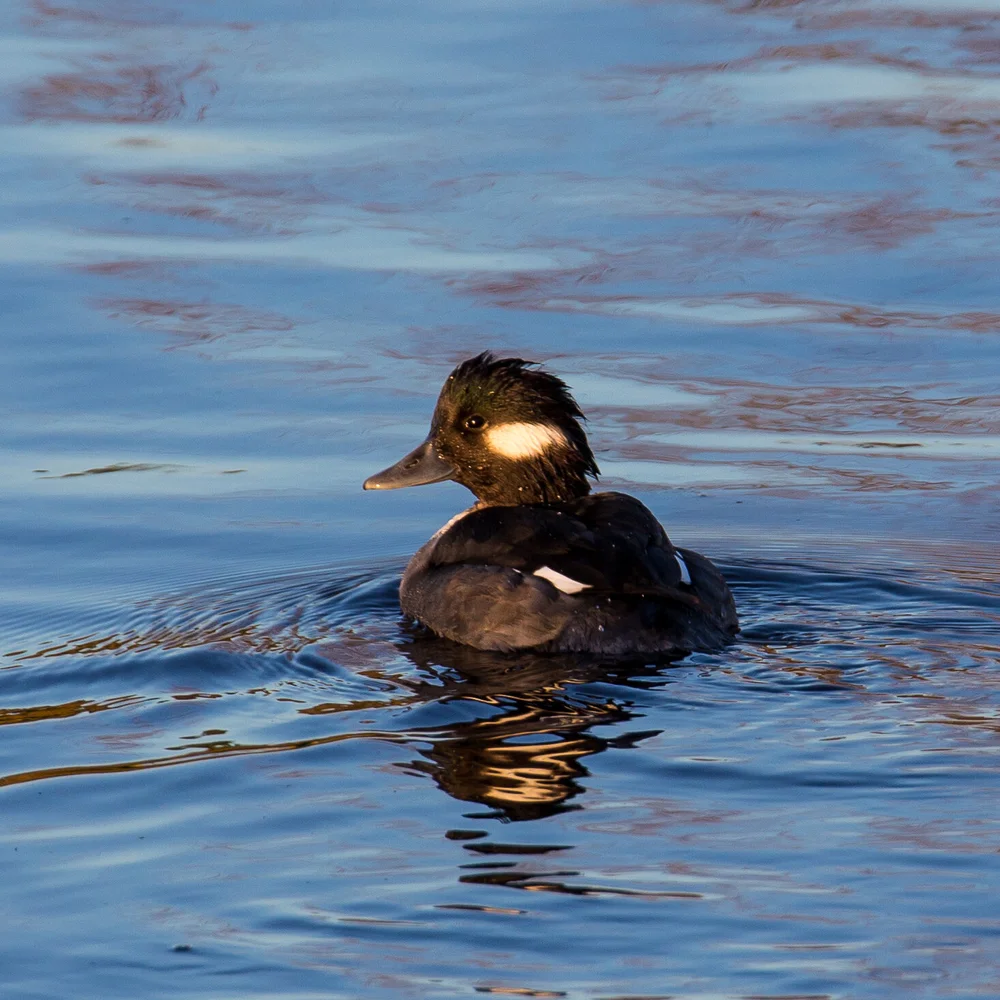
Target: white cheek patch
519, 440
685, 574
564, 583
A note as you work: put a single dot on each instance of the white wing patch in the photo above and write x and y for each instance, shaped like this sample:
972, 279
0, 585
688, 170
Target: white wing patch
522, 440
685, 574
564, 583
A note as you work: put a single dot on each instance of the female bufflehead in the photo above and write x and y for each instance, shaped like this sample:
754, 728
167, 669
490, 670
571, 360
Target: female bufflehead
539, 562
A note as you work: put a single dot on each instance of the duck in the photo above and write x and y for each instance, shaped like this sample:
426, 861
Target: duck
540, 562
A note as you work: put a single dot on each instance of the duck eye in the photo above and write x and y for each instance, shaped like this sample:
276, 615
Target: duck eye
475, 422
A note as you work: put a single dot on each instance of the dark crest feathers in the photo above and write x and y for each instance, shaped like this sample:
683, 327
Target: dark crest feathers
516, 380
514, 373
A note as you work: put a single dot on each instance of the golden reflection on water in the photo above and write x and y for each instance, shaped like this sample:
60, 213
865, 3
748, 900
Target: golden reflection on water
525, 759
44, 713
481, 762
212, 751
477, 761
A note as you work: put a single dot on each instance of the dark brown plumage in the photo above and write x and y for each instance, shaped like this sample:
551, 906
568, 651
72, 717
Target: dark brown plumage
540, 562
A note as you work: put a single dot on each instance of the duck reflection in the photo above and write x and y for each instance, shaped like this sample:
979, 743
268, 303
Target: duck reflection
525, 759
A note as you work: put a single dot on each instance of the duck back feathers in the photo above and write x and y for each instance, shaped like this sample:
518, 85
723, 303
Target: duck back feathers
597, 574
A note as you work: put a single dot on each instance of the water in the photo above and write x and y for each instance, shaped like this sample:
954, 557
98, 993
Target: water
243, 245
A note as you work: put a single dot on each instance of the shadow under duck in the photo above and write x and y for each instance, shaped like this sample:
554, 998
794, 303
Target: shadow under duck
539, 562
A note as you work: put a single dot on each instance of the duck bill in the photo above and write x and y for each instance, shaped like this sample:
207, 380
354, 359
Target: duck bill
423, 465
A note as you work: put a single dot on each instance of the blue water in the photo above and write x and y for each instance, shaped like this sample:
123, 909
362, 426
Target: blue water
242, 246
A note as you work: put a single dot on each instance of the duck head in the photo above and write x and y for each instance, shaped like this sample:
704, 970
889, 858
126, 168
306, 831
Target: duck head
506, 430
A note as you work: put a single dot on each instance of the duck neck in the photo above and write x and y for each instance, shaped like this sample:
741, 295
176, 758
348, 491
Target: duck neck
520, 482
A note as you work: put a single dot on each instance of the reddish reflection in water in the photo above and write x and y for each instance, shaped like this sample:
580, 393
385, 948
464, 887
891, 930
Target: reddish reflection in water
559, 291
286, 188
115, 12
195, 322
929, 87
887, 223
759, 406
113, 89
50, 16
240, 201
879, 16
971, 135
981, 48
134, 269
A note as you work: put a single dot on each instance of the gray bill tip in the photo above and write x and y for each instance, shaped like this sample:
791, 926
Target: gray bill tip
421, 466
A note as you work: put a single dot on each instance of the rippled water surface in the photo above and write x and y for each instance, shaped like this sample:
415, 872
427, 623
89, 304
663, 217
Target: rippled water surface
243, 244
